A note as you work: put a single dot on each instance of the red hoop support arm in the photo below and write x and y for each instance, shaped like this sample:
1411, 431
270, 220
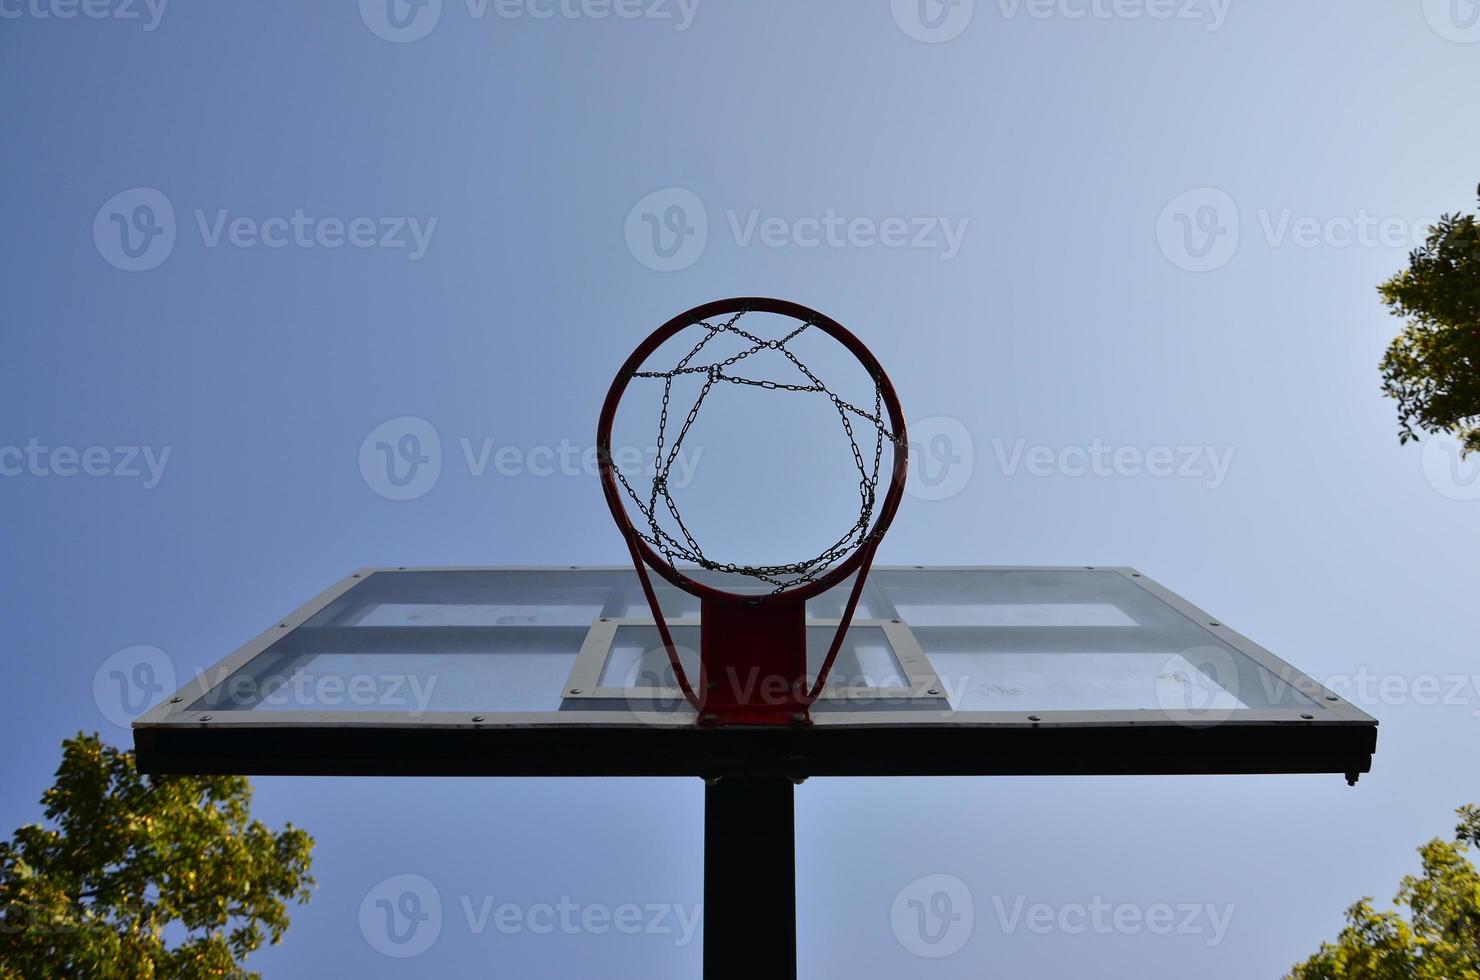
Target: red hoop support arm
763, 637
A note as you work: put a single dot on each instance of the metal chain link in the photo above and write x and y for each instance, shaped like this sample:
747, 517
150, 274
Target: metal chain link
782, 576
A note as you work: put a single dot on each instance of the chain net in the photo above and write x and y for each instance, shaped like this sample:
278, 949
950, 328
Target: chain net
681, 547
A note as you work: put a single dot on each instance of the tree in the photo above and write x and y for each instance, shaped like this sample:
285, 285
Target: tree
1442, 940
129, 856
1432, 368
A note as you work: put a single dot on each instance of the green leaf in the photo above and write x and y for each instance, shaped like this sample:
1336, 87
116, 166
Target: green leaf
128, 856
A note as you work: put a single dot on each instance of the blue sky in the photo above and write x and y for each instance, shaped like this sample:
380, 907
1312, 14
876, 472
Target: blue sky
1132, 228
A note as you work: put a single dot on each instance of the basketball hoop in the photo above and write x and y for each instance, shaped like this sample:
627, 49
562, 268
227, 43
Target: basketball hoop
753, 647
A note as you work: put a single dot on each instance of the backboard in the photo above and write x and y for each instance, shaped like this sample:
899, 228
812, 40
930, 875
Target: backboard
943, 671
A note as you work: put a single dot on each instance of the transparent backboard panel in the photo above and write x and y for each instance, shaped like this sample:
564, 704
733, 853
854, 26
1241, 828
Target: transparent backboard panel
994, 597
477, 597
506, 640
1092, 681
416, 669
637, 658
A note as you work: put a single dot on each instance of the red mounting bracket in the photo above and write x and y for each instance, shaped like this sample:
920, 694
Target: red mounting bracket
753, 648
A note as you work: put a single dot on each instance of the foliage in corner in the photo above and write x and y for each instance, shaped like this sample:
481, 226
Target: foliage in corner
1440, 940
127, 858
1432, 369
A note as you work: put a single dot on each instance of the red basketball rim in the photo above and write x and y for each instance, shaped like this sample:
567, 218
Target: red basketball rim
752, 304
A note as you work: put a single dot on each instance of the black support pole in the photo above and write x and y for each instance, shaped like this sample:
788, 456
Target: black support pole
750, 894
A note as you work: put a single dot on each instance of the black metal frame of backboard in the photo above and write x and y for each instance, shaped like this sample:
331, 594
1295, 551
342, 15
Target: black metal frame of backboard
886, 750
